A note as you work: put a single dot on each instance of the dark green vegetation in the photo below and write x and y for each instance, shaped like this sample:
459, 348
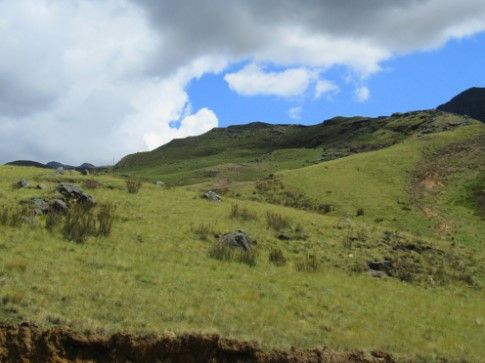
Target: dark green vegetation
368, 234
470, 103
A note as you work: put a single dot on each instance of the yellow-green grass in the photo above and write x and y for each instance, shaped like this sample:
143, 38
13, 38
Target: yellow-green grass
153, 273
379, 182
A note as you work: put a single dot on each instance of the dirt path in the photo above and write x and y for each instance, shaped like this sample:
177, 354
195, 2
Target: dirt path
27, 343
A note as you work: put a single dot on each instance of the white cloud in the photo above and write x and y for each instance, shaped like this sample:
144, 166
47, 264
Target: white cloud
253, 80
295, 113
362, 94
195, 124
85, 80
325, 87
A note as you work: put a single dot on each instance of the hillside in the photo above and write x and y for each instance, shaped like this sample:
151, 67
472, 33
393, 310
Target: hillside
337, 277
250, 151
470, 102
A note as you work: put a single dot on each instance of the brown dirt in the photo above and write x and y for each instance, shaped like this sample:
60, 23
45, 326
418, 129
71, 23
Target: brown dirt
28, 343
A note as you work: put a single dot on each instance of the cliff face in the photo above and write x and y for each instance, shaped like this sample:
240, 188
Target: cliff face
470, 102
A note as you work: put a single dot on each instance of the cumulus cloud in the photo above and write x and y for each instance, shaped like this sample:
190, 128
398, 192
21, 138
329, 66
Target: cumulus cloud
362, 94
324, 87
85, 80
253, 80
295, 113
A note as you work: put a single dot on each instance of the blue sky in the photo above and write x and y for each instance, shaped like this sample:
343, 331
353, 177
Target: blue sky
92, 81
419, 80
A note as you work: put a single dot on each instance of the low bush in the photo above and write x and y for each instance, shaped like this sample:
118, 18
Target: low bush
79, 224
223, 252
52, 220
105, 218
133, 185
276, 257
91, 184
360, 212
276, 221
245, 214
204, 231
308, 264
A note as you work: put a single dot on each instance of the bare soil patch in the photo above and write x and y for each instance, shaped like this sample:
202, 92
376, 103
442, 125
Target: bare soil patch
28, 343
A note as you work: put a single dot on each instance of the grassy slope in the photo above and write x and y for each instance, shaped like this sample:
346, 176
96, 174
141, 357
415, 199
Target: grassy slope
153, 274
379, 181
258, 149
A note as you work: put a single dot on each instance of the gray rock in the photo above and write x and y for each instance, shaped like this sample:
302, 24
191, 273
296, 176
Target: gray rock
160, 183
377, 274
23, 184
238, 239
40, 206
41, 187
74, 192
59, 206
383, 266
213, 196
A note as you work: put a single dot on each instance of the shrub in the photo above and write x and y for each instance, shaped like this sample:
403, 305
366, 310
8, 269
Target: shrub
91, 184
204, 231
276, 221
79, 224
53, 219
223, 252
105, 219
277, 257
308, 264
4, 216
360, 212
133, 185
245, 214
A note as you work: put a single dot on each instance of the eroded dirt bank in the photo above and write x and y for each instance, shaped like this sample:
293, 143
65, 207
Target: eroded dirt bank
27, 343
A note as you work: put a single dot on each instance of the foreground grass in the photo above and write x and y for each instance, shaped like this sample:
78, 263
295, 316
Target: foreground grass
154, 273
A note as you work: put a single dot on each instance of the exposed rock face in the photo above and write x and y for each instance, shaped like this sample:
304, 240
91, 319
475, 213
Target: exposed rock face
238, 239
74, 192
470, 102
59, 206
213, 196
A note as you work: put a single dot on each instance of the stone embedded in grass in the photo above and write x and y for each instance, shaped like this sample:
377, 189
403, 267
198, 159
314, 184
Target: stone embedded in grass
39, 206
23, 183
59, 206
212, 196
73, 191
238, 239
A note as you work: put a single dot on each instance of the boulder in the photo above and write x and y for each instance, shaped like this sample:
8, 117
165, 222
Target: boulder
74, 192
213, 196
238, 239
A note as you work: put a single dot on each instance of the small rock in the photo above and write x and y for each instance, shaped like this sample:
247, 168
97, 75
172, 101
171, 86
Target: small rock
74, 191
40, 206
59, 205
213, 196
238, 239
377, 274
160, 183
383, 266
23, 184
41, 187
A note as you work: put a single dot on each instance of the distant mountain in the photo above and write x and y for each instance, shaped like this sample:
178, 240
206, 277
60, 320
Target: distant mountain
30, 163
51, 165
56, 165
470, 102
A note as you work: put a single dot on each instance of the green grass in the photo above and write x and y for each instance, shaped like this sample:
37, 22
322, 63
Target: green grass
156, 270
153, 273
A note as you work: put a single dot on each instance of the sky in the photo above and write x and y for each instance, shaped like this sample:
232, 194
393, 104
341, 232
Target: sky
94, 80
